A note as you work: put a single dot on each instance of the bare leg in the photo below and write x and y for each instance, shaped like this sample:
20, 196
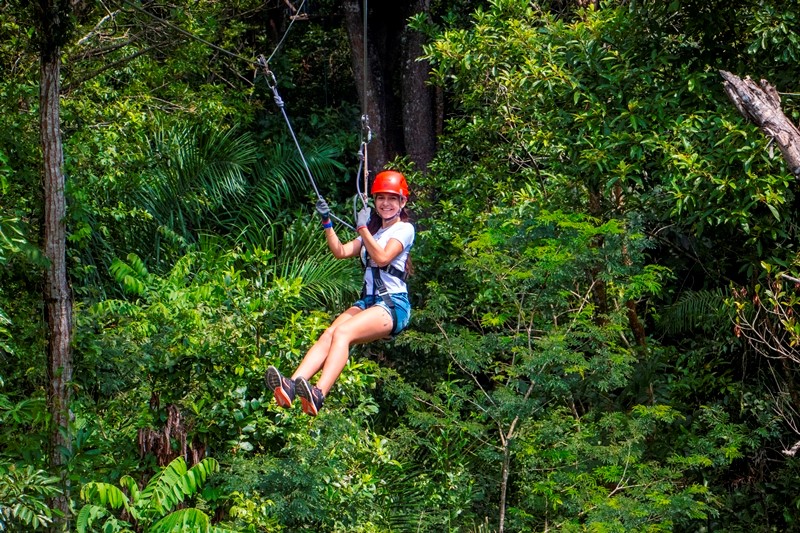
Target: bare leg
316, 355
369, 325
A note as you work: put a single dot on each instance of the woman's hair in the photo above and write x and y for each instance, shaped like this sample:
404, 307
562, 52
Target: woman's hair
375, 223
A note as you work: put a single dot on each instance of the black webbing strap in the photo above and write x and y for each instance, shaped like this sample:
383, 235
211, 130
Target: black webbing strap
379, 288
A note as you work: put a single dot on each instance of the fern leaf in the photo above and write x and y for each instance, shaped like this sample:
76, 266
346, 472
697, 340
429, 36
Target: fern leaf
183, 520
697, 310
104, 494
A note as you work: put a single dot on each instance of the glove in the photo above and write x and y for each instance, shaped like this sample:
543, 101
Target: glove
362, 218
323, 209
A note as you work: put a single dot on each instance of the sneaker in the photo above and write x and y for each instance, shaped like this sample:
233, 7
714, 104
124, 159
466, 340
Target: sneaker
311, 397
281, 386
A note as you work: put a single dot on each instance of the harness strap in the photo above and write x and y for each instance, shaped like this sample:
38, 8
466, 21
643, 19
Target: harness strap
379, 287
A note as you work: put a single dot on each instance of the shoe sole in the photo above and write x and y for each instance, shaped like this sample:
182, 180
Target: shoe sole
308, 407
273, 379
304, 391
282, 398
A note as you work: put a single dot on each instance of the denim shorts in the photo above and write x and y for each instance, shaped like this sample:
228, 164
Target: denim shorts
402, 308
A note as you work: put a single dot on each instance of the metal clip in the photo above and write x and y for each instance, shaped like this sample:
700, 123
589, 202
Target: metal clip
268, 74
366, 131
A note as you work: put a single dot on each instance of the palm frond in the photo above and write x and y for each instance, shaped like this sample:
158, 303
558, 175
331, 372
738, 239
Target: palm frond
279, 182
169, 487
195, 172
697, 310
104, 494
300, 252
183, 520
327, 281
88, 514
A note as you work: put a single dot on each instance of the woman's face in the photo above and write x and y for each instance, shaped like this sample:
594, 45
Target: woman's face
388, 205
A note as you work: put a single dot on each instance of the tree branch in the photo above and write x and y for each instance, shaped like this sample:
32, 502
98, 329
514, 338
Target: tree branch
760, 103
111, 65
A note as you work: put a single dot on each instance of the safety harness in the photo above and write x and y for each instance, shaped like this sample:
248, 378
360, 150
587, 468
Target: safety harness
379, 288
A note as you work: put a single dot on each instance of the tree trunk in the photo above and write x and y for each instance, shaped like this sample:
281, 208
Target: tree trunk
599, 293
761, 104
419, 100
504, 486
369, 84
57, 295
401, 109
633, 315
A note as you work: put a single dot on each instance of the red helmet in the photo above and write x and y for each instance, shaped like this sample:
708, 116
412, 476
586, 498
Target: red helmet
390, 181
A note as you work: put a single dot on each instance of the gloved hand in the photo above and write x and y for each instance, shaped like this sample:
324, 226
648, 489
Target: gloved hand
323, 209
362, 218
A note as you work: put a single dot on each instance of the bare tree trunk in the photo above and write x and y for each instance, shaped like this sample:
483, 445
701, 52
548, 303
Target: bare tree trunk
419, 100
504, 486
761, 104
369, 84
57, 295
401, 108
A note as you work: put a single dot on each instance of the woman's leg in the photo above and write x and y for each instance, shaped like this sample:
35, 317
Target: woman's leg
316, 355
369, 325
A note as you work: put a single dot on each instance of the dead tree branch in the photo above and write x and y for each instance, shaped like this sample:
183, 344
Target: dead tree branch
761, 104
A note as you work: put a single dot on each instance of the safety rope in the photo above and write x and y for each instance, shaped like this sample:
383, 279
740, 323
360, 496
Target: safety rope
366, 132
273, 85
261, 64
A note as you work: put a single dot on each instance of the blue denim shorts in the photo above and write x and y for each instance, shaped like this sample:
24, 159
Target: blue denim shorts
402, 308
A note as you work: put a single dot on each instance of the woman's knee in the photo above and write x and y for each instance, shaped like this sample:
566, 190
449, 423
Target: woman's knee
327, 335
341, 334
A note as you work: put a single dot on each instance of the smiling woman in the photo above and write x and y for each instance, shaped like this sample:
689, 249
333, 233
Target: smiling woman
384, 242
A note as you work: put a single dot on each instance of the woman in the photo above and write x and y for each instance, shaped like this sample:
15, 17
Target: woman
383, 311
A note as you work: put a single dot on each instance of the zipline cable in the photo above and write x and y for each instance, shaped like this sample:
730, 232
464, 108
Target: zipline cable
299, 9
192, 35
197, 38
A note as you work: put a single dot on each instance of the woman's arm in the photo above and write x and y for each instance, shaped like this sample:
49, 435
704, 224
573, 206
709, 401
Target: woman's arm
381, 255
339, 250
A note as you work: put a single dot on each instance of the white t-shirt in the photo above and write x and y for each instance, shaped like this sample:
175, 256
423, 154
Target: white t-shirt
402, 232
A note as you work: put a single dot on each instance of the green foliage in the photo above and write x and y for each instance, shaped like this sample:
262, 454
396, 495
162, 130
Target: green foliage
4, 332
599, 471
768, 317
700, 310
588, 158
194, 184
188, 338
24, 492
153, 508
594, 197
338, 476
195, 171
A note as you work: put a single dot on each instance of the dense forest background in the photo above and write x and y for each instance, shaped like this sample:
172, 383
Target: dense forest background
604, 335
